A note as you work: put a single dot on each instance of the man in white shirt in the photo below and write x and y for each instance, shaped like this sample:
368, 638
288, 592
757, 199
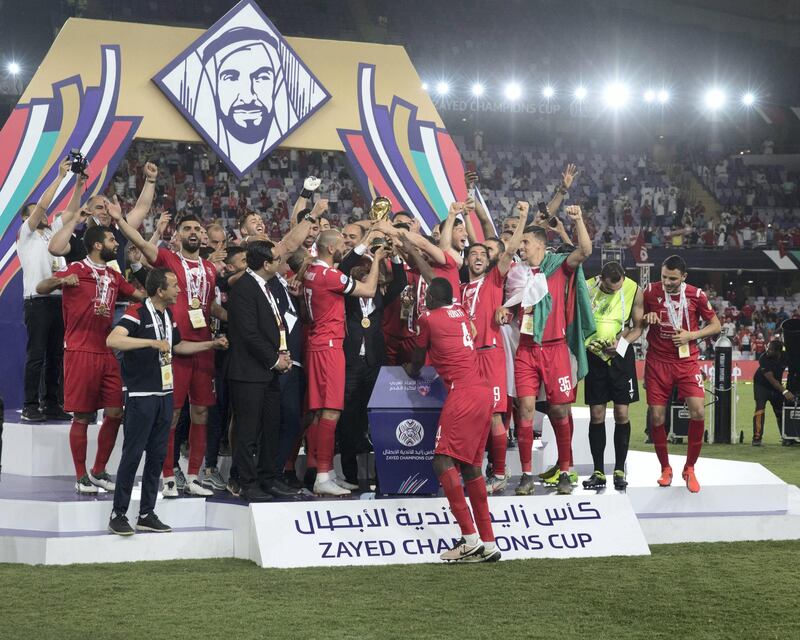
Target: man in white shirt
43, 319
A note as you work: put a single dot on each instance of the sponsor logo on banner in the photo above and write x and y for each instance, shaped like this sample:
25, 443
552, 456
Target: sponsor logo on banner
417, 530
242, 87
409, 433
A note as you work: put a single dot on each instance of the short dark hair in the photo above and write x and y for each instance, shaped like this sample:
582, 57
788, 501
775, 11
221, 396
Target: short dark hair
24, 211
232, 252
441, 292
457, 222
501, 246
189, 217
478, 245
296, 259
612, 271
94, 234
402, 212
675, 262
246, 215
258, 253
537, 231
156, 279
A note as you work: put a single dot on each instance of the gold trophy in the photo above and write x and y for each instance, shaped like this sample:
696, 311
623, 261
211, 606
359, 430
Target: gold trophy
380, 209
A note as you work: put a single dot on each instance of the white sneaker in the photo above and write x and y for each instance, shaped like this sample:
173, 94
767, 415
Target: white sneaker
329, 488
461, 550
495, 484
102, 480
84, 486
170, 488
194, 488
344, 484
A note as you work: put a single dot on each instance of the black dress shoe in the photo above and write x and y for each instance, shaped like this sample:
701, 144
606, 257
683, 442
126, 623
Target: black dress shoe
290, 479
32, 414
56, 413
280, 490
255, 494
310, 478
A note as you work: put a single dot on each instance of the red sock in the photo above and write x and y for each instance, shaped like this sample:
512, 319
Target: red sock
326, 442
197, 447
451, 483
525, 444
498, 444
563, 442
696, 430
476, 490
659, 437
571, 432
168, 469
311, 445
106, 439
77, 444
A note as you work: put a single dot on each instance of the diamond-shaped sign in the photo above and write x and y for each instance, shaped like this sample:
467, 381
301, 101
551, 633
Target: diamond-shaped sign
243, 88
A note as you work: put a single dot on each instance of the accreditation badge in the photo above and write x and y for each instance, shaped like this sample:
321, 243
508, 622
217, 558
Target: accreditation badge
527, 323
683, 351
283, 346
166, 377
197, 318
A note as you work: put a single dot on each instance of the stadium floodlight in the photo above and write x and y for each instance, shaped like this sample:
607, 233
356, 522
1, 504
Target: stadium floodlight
580, 93
424, 86
548, 92
616, 95
442, 88
714, 99
478, 89
748, 99
13, 68
649, 96
513, 91
663, 96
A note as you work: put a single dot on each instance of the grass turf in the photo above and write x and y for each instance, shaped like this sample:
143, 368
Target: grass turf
726, 590
723, 590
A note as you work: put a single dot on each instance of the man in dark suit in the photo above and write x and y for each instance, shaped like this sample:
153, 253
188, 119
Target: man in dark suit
258, 356
364, 349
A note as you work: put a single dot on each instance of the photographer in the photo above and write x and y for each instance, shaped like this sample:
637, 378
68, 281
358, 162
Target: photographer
768, 387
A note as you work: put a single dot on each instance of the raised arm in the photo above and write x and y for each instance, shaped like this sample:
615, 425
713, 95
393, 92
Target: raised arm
148, 250
584, 248
415, 258
142, 207
505, 260
368, 288
446, 240
299, 232
40, 210
469, 206
566, 182
310, 185
74, 204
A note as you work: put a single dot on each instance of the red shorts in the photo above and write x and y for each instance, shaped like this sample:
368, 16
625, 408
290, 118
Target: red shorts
91, 381
325, 371
547, 365
194, 377
464, 424
398, 350
660, 376
492, 364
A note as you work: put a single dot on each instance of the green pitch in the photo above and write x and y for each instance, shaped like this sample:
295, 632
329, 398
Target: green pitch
723, 590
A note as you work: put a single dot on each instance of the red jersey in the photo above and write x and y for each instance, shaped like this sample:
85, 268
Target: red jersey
480, 299
448, 271
85, 330
659, 337
556, 326
445, 333
325, 288
395, 325
196, 279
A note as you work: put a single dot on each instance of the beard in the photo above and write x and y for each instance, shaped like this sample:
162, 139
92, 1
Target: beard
337, 256
252, 131
108, 254
190, 245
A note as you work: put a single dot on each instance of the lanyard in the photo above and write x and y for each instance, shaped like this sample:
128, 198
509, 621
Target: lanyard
476, 290
195, 288
676, 315
162, 328
367, 306
102, 281
270, 298
285, 284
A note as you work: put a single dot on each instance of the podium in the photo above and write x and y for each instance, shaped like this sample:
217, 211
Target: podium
403, 421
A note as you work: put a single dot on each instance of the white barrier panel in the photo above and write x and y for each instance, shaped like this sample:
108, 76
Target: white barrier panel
348, 532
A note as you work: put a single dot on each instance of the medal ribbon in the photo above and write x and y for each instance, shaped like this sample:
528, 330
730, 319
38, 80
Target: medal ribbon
195, 287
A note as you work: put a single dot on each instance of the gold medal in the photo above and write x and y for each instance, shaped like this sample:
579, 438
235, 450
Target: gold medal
102, 310
365, 323
195, 303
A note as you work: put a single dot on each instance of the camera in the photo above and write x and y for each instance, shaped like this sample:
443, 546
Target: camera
79, 163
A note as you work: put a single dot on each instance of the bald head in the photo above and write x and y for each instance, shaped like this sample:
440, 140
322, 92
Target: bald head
330, 245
